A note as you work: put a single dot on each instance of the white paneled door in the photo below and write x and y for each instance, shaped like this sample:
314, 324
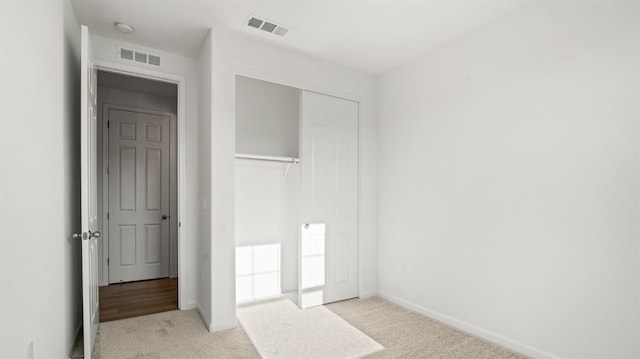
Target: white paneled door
139, 176
329, 196
89, 199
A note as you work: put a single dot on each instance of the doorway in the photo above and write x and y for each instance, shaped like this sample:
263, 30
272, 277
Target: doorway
137, 195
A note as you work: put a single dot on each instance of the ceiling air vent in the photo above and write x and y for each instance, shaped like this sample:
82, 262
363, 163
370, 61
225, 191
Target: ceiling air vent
281, 31
139, 56
267, 26
255, 22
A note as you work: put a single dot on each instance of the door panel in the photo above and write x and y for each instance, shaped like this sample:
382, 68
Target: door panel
127, 168
153, 239
153, 176
139, 161
127, 245
89, 196
329, 180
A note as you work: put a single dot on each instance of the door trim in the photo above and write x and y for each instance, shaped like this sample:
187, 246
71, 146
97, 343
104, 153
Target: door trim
173, 195
181, 135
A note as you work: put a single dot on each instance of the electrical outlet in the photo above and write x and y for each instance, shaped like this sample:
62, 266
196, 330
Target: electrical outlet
404, 268
30, 350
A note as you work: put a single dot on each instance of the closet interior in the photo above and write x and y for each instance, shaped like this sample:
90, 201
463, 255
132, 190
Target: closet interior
267, 190
296, 194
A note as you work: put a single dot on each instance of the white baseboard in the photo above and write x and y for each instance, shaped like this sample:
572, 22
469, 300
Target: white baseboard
473, 329
216, 327
366, 295
190, 305
75, 338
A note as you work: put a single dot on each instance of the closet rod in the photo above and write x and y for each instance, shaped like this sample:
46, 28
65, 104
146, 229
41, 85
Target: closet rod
268, 158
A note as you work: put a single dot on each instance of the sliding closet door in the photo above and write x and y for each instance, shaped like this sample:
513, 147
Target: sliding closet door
329, 199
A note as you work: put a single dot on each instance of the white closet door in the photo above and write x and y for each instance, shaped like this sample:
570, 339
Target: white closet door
329, 196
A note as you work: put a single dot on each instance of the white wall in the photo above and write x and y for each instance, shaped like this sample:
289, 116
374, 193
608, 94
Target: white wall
232, 55
205, 200
107, 95
40, 298
268, 211
105, 49
509, 181
267, 118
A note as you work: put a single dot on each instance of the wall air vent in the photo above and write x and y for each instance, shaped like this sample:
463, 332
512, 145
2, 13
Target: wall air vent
154, 60
126, 54
140, 56
269, 26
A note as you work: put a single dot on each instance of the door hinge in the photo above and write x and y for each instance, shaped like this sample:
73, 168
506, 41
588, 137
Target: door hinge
108, 124
108, 260
107, 216
107, 170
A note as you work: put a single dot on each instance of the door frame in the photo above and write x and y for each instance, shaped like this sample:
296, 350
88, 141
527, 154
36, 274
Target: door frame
173, 195
181, 159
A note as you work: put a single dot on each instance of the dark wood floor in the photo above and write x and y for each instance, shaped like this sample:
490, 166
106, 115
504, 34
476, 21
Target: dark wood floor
127, 300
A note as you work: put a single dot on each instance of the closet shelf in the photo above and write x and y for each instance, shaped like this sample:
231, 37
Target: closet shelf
267, 158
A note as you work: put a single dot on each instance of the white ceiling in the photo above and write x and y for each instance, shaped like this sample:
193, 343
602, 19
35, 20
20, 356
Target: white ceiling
371, 36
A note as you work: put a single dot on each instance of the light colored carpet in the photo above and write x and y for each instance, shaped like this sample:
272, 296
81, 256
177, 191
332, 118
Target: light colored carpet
279, 329
407, 334
181, 334
175, 334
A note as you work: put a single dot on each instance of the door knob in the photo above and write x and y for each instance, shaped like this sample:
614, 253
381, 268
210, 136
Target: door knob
85, 235
164, 216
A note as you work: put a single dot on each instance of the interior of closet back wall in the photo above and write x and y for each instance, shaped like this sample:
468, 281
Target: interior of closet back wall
267, 118
267, 192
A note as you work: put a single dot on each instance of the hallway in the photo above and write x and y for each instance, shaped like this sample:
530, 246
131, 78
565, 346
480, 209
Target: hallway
134, 299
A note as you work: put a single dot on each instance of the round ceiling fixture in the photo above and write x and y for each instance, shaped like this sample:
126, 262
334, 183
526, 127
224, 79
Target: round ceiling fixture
124, 28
